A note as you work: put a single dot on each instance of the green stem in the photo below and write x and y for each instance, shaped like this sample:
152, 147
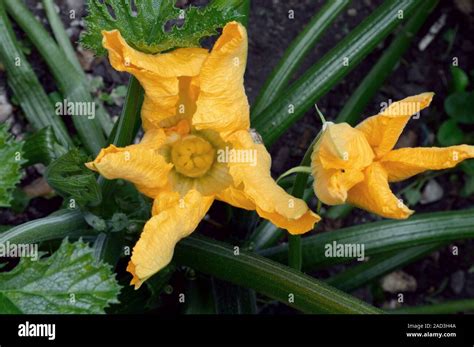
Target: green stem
127, 123
275, 280
295, 258
125, 128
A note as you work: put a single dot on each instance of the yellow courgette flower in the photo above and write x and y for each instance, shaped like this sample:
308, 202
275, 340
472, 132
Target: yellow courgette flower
197, 146
355, 165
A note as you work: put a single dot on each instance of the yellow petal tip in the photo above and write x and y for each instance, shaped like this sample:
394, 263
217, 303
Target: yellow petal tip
136, 282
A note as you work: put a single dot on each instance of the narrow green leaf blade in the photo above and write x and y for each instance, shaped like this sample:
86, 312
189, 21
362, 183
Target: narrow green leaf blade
372, 82
25, 85
361, 274
295, 53
74, 88
272, 122
267, 277
384, 236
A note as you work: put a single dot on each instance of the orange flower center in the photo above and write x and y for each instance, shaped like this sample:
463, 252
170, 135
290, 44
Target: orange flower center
192, 156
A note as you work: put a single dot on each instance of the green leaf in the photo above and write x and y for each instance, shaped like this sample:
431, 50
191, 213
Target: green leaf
296, 52
25, 86
66, 46
384, 236
69, 281
11, 157
468, 167
385, 66
460, 107
448, 307
232, 299
20, 200
42, 147
338, 211
272, 122
145, 30
363, 273
267, 277
72, 85
125, 128
459, 79
449, 133
69, 177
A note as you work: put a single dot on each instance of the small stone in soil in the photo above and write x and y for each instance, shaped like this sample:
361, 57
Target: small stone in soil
457, 281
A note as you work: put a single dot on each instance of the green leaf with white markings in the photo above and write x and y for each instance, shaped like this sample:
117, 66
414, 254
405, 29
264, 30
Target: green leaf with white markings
156, 25
70, 281
10, 171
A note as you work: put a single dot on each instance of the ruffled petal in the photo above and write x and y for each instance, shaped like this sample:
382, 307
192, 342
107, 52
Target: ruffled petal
173, 219
163, 76
374, 195
222, 104
254, 188
337, 162
342, 147
384, 129
403, 163
331, 186
140, 164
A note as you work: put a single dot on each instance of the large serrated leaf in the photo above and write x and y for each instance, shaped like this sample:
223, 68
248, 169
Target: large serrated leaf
69, 281
69, 177
10, 169
153, 26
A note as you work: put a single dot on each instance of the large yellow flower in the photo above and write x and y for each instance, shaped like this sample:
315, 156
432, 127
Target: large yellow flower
355, 165
197, 146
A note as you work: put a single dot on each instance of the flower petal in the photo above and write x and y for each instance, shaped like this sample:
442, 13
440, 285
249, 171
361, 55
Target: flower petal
337, 161
173, 220
140, 164
331, 186
222, 104
254, 188
403, 163
342, 147
374, 195
163, 76
384, 129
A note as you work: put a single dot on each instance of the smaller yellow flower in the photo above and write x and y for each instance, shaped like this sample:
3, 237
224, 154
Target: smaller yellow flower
196, 120
355, 165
